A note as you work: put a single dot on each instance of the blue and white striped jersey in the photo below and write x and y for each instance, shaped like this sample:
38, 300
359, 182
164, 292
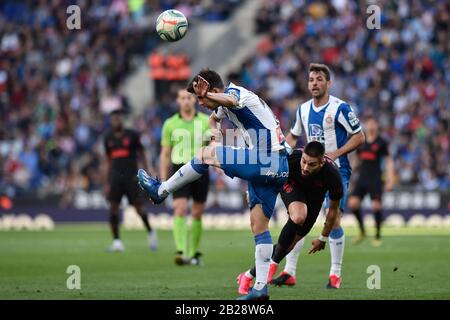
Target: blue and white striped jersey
254, 118
330, 124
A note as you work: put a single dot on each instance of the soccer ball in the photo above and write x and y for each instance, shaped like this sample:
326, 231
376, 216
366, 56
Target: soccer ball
171, 25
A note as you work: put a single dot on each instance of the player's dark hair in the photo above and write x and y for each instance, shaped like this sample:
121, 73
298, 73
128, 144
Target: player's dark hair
214, 79
318, 67
314, 149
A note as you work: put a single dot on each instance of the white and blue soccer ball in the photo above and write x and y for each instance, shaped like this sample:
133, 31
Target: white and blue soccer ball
171, 25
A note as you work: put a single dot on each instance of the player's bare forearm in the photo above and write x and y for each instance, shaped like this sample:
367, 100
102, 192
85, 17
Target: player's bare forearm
354, 162
105, 175
223, 99
353, 143
164, 163
331, 218
390, 173
291, 140
106, 170
319, 244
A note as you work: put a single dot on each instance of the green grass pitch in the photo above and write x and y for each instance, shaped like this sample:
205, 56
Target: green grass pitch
33, 266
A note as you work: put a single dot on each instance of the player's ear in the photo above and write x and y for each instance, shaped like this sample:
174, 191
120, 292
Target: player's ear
322, 161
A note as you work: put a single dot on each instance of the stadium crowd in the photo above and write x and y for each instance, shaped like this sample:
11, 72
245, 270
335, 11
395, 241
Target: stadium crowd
56, 86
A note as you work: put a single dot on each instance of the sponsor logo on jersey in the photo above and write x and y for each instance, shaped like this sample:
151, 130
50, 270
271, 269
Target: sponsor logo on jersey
316, 133
277, 175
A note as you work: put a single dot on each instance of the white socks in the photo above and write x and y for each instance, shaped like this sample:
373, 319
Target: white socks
191, 171
263, 253
292, 258
337, 243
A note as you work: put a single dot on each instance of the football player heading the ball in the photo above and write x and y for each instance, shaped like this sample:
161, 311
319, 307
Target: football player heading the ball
263, 163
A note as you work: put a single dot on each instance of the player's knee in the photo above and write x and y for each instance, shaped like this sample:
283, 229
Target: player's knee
114, 209
298, 212
206, 155
298, 217
139, 209
180, 210
376, 205
197, 212
203, 153
353, 203
258, 224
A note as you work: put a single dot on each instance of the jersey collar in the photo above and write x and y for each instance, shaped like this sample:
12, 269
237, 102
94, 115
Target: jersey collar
320, 108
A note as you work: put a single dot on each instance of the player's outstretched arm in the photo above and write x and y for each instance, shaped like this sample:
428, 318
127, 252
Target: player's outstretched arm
223, 99
390, 174
106, 170
319, 244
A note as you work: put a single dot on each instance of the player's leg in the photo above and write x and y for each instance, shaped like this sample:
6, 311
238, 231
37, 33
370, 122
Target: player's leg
296, 228
188, 173
199, 195
180, 231
115, 196
135, 197
304, 226
151, 232
114, 221
289, 234
375, 195
337, 242
290, 269
263, 251
262, 199
376, 207
196, 232
354, 203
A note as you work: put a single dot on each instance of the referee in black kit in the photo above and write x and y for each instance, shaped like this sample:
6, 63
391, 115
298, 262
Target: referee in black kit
124, 150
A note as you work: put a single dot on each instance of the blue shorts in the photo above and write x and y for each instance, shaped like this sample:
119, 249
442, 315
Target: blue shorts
345, 181
265, 172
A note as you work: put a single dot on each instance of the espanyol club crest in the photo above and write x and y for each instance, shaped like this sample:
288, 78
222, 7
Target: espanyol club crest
329, 119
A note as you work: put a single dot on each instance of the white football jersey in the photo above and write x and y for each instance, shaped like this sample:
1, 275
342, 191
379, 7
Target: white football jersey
330, 124
254, 118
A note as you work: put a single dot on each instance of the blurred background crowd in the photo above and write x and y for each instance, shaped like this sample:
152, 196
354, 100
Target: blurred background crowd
56, 86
